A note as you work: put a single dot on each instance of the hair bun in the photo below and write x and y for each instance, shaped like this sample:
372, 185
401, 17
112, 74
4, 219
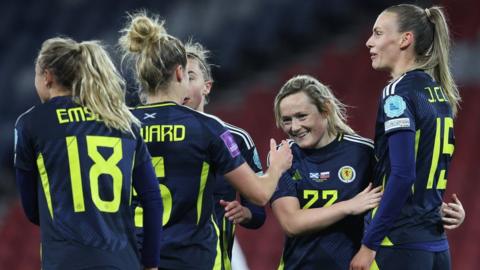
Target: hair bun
143, 32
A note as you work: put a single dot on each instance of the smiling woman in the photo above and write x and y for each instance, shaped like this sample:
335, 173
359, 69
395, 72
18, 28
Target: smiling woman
303, 123
319, 201
302, 103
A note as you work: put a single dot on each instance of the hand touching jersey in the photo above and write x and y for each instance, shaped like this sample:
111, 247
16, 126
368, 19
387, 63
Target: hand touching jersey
367, 199
235, 212
363, 259
453, 213
280, 158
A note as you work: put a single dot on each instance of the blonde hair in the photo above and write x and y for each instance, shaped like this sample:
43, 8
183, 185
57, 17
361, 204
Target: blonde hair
156, 53
86, 69
321, 96
432, 44
196, 51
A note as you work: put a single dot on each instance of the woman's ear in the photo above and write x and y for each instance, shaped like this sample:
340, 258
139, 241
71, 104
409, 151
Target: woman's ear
207, 88
406, 40
180, 73
327, 108
48, 78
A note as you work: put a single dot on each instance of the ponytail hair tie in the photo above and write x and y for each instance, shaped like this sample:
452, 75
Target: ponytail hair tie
427, 11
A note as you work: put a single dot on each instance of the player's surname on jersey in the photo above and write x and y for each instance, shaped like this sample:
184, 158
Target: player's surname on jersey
151, 133
163, 133
76, 114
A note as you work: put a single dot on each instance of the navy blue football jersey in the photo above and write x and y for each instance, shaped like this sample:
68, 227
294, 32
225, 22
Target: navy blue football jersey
225, 191
417, 103
320, 178
84, 186
188, 150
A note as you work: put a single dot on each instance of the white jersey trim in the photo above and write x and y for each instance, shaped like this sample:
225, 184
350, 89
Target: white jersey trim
233, 129
390, 89
23, 114
208, 115
358, 137
358, 141
242, 133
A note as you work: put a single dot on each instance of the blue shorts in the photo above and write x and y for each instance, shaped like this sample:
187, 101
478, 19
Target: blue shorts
411, 259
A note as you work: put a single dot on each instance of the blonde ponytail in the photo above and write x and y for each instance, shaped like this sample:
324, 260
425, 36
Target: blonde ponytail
102, 89
438, 63
87, 71
432, 44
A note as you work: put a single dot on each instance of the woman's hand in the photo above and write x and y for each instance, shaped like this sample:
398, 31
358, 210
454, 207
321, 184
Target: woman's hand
235, 212
363, 259
280, 158
453, 213
367, 199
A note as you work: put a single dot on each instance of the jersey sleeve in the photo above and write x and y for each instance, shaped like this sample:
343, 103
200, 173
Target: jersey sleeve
146, 185
224, 151
27, 187
285, 188
253, 160
258, 213
141, 152
398, 108
24, 152
397, 190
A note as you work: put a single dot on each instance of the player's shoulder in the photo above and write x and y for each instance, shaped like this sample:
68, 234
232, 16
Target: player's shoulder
157, 110
240, 135
356, 141
403, 85
26, 116
209, 120
151, 111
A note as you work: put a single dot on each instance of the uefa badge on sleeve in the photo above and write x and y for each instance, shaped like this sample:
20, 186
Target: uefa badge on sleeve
230, 143
394, 106
347, 174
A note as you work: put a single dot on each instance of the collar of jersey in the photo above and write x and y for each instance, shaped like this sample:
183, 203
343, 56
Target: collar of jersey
409, 71
320, 152
415, 69
59, 98
405, 73
158, 104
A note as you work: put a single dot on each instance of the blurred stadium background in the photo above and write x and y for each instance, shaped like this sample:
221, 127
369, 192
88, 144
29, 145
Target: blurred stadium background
256, 46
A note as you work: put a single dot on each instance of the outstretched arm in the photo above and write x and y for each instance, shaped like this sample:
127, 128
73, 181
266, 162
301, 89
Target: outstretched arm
259, 189
296, 221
